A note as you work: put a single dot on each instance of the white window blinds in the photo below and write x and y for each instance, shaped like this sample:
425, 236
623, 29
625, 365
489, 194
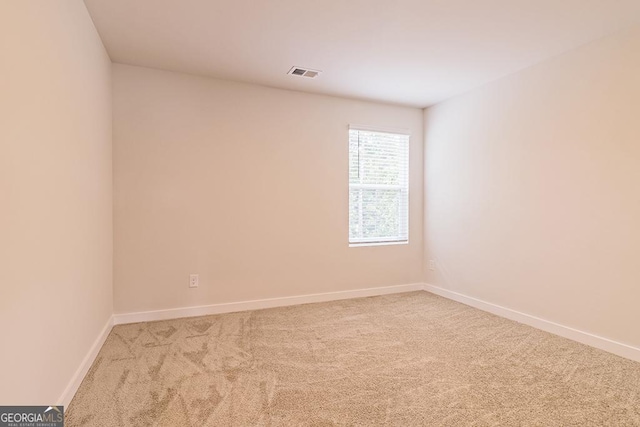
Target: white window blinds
378, 186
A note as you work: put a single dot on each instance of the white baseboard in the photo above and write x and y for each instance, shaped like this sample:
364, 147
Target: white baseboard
602, 343
592, 340
175, 313
82, 370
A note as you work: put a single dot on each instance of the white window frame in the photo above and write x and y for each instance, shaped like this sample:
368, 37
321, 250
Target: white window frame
404, 219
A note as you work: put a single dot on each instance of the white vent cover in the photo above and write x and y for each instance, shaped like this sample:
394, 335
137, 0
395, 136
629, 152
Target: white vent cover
304, 72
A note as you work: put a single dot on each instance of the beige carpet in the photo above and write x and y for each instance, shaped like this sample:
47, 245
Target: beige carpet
411, 359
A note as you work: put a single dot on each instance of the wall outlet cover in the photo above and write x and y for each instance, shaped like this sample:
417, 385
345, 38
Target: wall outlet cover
194, 280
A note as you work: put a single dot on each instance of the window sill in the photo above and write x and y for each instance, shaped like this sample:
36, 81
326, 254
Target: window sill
355, 245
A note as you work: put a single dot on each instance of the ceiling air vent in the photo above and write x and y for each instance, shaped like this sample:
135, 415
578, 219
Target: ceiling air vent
304, 72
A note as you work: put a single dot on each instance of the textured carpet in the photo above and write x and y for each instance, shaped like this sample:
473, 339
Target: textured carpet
411, 359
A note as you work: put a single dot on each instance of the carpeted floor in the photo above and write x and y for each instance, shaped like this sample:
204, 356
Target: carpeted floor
411, 359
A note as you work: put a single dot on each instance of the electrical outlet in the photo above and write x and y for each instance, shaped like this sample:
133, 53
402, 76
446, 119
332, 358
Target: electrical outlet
194, 280
432, 265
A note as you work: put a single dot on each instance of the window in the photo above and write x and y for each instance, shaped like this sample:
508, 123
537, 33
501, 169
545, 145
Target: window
378, 186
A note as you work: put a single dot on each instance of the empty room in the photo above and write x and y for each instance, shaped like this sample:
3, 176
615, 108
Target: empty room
319, 213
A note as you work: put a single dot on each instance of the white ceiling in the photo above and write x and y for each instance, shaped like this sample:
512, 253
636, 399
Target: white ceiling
413, 52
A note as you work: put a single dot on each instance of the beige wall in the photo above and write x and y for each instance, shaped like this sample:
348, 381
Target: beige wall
246, 186
533, 190
55, 196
